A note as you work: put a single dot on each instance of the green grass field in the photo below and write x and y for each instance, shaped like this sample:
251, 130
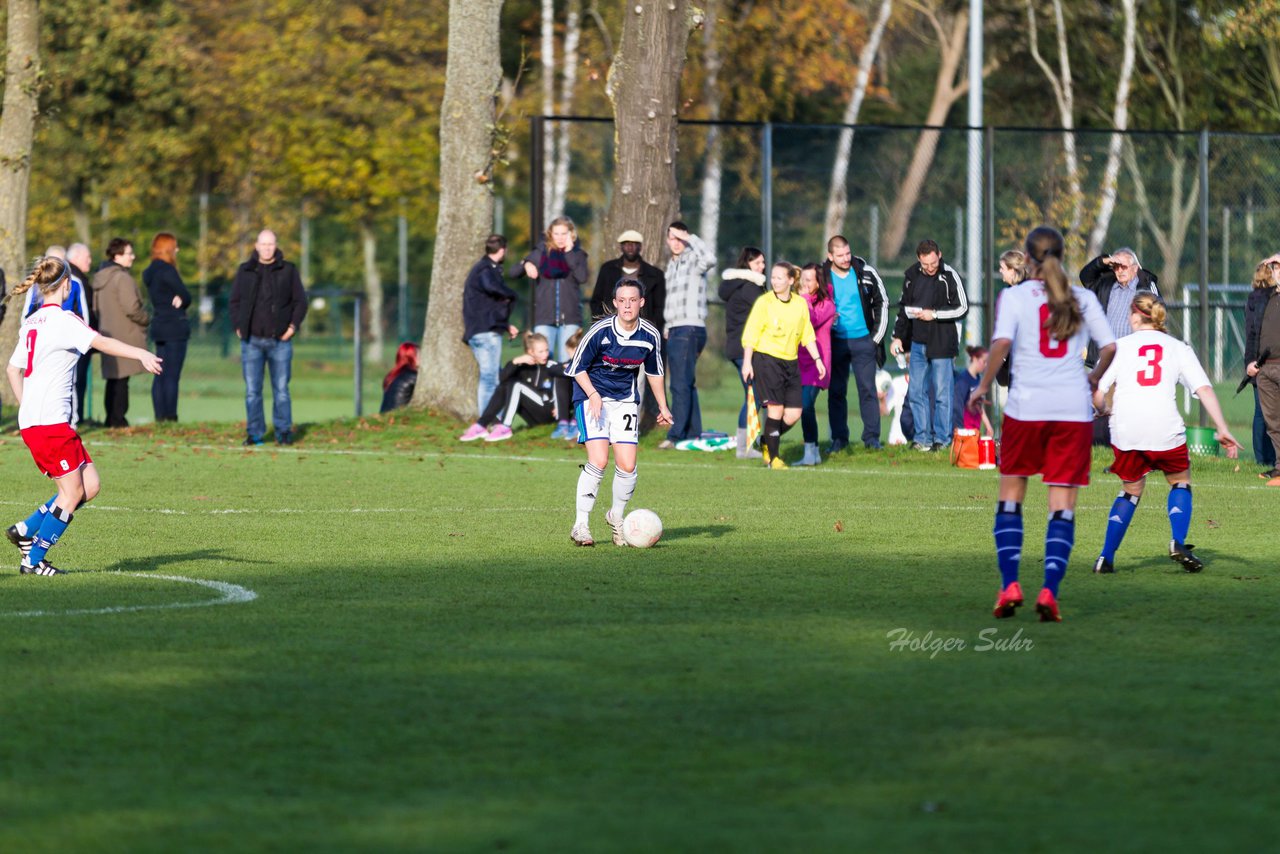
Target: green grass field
429, 665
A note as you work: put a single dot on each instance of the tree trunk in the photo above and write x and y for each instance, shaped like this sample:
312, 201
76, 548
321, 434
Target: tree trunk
709, 217
645, 86
465, 217
946, 91
1120, 121
1064, 95
548, 60
838, 198
80, 213
572, 32
17, 129
372, 292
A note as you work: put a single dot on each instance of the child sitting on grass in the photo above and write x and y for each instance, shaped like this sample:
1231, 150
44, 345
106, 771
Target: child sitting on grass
531, 386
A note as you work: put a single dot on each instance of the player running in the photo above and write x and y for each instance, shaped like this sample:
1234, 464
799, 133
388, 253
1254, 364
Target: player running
606, 369
42, 372
1044, 324
1147, 433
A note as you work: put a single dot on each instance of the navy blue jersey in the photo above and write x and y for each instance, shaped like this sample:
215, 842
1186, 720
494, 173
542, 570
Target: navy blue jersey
614, 360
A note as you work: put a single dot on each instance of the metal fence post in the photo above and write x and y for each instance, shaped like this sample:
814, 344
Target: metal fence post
359, 359
537, 144
766, 190
1204, 252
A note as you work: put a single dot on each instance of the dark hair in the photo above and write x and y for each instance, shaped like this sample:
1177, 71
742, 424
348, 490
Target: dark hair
837, 240
1045, 248
493, 243
927, 246
164, 247
629, 282
747, 255
117, 246
824, 287
406, 360
680, 225
976, 352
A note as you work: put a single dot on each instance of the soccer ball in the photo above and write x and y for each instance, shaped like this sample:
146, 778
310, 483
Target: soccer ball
641, 528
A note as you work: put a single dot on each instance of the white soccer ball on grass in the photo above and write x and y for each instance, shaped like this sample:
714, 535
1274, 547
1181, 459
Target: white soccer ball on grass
641, 528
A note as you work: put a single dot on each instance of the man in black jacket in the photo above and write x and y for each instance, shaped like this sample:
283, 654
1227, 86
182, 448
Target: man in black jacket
486, 307
857, 342
933, 299
267, 307
1116, 279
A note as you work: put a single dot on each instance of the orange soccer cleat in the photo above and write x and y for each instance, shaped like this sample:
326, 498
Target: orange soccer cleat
1008, 601
1047, 607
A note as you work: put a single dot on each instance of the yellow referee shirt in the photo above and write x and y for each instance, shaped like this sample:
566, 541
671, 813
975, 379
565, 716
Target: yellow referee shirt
778, 328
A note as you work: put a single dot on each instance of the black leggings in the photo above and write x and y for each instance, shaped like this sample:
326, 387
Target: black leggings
511, 399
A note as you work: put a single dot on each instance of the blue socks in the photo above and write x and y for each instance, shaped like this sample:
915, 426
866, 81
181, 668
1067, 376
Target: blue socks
54, 524
1180, 511
1122, 511
1008, 534
31, 524
1059, 537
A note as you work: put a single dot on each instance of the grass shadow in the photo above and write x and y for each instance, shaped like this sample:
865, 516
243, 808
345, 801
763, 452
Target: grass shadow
699, 531
152, 563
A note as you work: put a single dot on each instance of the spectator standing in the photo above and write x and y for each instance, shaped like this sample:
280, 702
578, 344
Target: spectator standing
486, 312
121, 315
686, 329
170, 329
857, 342
397, 385
822, 313
267, 306
1115, 280
933, 299
1262, 335
558, 267
740, 287
80, 259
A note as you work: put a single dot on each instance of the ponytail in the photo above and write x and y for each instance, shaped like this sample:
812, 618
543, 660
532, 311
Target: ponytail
1152, 310
793, 273
46, 274
1045, 248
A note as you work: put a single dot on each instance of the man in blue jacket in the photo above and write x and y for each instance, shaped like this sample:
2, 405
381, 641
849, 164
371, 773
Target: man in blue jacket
486, 307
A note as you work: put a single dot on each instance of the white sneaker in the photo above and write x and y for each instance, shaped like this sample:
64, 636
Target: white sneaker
615, 523
581, 536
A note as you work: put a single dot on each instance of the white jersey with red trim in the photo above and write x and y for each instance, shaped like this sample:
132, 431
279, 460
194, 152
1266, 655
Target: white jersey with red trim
1146, 372
50, 344
1050, 381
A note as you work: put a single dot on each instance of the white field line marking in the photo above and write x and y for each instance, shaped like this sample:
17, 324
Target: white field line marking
229, 511
949, 473
231, 594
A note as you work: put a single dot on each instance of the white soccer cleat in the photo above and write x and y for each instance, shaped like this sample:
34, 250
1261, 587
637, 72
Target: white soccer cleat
581, 536
615, 524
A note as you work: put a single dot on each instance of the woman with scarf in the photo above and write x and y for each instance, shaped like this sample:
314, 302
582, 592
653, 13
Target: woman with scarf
558, 266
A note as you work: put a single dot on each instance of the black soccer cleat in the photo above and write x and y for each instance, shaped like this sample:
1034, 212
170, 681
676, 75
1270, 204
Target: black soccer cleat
42, 568
1181, 553
1102, 566
23, 543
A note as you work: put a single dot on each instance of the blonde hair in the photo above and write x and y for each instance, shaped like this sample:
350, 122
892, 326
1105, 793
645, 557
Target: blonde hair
567, 223
1044, 254
46, 275
1016, 260
1152, 311
1264, 275
531, 338
793, 273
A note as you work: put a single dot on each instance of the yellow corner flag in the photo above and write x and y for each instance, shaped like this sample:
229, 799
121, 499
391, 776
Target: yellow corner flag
753, 417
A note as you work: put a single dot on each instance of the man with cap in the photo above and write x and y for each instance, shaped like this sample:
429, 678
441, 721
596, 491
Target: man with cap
630, 264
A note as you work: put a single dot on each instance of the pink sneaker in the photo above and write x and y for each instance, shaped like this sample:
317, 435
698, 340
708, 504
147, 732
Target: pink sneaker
498, 433
475, 431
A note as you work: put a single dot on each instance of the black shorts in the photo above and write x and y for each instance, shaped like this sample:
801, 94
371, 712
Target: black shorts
777, 381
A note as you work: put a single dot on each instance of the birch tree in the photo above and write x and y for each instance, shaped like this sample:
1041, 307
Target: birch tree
468, 126
568, 80
838, 198
1119, 121
17, 130
1063, 87
713, 175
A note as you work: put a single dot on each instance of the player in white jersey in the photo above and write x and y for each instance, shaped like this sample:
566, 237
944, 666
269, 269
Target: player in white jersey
606, 368
1044, 324
1147, 433
42, 372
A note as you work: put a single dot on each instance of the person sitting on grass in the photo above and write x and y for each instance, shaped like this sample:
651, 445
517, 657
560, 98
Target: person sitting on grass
398, 384
531, 386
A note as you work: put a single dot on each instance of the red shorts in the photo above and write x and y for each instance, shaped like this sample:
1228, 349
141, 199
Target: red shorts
1060, 451
56, 448
1131, 466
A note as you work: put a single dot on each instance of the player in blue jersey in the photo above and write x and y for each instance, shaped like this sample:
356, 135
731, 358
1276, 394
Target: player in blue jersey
606, 370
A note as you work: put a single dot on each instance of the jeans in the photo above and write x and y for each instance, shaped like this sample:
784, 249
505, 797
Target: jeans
809, 414
859, 356
164, 388
556, 337
684, 344
256, 354
742, 414
931, 388
487, 348
1264, 453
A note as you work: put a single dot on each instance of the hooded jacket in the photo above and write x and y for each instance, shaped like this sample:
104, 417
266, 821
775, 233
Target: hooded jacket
486, 300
